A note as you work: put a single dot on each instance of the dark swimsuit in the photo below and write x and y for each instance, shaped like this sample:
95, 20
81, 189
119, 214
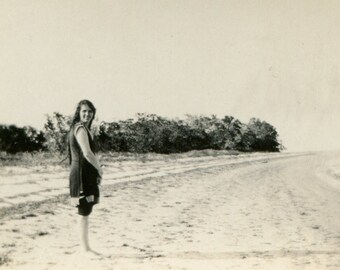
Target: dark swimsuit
83, 177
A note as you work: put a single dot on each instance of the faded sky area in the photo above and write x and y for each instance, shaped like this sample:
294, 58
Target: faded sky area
275, 60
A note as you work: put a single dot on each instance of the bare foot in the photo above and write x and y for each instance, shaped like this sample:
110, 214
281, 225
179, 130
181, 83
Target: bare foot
91, 254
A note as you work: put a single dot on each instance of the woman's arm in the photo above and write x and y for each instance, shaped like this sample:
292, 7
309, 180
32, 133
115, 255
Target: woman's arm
82, 138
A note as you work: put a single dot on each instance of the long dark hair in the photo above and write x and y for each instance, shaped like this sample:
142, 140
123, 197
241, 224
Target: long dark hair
76, 117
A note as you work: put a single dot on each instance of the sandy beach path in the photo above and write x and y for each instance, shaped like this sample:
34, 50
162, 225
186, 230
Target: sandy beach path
22, 185
269, 214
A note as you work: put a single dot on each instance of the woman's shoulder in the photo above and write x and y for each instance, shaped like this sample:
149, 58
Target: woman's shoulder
78, 126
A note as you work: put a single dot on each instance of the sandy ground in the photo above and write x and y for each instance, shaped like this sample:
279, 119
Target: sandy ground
265, 213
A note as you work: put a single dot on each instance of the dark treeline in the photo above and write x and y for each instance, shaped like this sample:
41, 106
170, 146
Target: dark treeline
14, 139
148, 133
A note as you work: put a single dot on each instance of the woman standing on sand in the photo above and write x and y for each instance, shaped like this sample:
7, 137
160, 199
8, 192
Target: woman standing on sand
86, 173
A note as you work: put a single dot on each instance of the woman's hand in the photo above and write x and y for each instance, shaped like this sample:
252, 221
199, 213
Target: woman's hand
100, 172
74, 201
99, 180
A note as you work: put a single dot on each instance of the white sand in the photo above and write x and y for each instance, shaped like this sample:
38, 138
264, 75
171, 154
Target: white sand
267, 214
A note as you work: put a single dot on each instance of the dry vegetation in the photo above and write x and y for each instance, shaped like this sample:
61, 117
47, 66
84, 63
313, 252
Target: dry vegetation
47, 158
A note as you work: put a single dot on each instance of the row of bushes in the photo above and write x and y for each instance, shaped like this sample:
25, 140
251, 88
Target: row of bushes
148, 133
15, 139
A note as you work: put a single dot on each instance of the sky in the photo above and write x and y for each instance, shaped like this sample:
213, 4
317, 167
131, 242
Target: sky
278, 61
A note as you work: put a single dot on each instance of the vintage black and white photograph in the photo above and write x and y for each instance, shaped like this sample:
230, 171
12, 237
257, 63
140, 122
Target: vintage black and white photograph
170, 134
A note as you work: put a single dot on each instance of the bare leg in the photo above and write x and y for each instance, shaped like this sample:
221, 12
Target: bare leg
84, 233
84, 238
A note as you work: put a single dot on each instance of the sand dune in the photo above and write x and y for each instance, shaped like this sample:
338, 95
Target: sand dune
258, 212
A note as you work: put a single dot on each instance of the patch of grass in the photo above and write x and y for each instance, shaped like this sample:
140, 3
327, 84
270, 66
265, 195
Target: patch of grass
21, 210
48, 212
31, 182
28, 215
8, 245
125, 156
4, 259
28, 160
42, 233
38, 234
44, 159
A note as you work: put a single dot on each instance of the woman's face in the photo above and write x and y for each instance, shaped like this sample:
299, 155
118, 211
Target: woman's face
86, 114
